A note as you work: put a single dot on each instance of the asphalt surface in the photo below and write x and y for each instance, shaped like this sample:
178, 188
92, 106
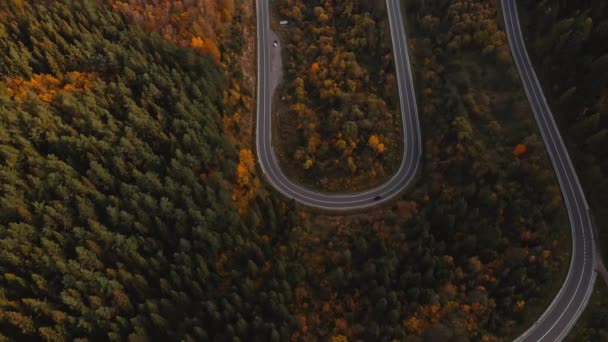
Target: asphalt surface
276, 64
555, 323
412, 150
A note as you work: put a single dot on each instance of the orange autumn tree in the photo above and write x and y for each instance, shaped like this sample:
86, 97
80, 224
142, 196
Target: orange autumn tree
519, 150
245, 167
339, 338
414, 325
207, 46
247, 185
197, 42
374, 142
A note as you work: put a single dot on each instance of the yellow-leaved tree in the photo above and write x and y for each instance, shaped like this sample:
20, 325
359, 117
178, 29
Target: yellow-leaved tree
247, 184
374, 142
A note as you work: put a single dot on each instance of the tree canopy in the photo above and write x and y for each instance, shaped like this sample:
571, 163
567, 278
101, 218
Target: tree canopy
116, 217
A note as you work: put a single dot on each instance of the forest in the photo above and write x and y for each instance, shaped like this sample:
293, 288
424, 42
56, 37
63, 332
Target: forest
221, 29
116, 215
340, 123
568, 45
131, 208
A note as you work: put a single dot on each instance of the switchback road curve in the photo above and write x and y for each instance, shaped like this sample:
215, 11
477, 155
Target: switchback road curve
568, 305
555, 323
412, 148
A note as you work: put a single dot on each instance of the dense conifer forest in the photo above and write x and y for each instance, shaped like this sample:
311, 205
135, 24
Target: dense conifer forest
116, 219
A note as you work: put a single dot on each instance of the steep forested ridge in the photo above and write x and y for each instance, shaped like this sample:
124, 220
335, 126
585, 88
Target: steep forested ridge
568, 43
116, 219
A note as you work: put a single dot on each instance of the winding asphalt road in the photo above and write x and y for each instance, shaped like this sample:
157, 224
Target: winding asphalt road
555, 323
412, 149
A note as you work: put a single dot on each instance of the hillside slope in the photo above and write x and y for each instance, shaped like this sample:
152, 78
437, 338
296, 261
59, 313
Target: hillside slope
116, 219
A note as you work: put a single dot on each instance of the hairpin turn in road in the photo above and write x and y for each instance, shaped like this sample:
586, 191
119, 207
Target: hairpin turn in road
412, 148
573, 297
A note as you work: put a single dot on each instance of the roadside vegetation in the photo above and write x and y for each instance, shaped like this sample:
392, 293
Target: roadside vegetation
340, 127
593, 324
567, 42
